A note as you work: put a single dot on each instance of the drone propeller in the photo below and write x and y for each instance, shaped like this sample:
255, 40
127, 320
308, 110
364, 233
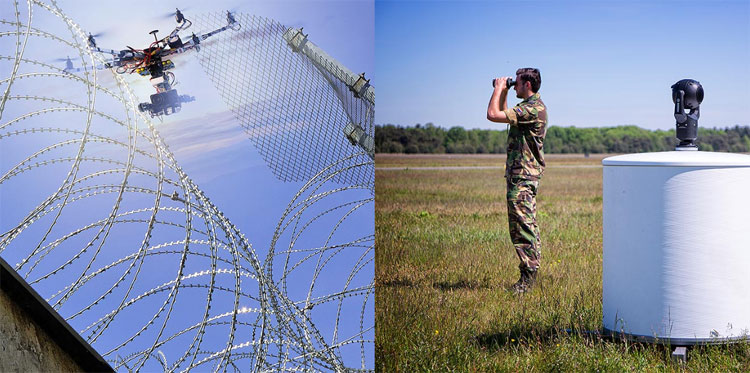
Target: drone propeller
174, 14
92, 38
230, 17
236, 8
67, 60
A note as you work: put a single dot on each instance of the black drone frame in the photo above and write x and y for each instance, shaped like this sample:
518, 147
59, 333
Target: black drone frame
153, 61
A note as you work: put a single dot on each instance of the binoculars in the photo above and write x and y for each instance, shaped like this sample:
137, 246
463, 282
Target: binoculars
510, 82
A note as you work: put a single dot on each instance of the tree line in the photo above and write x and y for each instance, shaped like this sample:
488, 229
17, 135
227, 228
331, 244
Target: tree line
429, 138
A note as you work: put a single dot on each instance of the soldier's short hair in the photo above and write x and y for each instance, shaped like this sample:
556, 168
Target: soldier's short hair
531, 75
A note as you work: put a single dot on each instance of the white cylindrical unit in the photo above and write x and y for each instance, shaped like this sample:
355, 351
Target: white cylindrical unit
677, 246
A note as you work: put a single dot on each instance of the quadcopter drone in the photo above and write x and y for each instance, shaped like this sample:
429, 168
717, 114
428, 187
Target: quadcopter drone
153, 61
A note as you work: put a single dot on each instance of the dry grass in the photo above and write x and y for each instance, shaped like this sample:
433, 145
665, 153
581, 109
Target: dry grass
444, 262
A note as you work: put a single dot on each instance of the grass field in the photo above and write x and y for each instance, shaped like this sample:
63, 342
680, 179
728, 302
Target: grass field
444, 261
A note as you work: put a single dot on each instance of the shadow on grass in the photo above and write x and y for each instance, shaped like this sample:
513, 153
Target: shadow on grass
398, 282
494, 342
461, 285
529, 336
440, 285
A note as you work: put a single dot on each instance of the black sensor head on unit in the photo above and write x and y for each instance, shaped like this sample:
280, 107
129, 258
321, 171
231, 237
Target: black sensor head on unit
687, 94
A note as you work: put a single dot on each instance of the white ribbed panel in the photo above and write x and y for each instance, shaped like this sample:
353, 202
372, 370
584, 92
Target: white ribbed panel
676, 248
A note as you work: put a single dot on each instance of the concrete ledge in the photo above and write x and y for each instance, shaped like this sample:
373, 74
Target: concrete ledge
36, 308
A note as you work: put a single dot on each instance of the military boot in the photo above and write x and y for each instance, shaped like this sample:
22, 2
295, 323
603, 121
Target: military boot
526, 282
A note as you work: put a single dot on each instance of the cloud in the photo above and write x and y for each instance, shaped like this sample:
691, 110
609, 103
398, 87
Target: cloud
204, 135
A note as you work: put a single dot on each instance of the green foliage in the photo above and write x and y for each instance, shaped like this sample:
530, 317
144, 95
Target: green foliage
621, 139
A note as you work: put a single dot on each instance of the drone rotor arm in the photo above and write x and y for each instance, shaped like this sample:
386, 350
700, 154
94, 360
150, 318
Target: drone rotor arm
105, 66
105, 51
185, 47
182, 26
231, 24
118, 62
212, 33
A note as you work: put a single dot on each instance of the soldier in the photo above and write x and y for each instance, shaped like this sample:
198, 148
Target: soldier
524, 166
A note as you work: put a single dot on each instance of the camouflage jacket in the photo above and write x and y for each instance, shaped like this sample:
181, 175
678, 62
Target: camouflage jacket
528, 126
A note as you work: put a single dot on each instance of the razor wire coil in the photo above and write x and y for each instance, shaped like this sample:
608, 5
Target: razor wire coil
120, 240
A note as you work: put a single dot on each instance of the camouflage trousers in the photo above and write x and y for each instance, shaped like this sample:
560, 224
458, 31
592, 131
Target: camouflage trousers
524, 231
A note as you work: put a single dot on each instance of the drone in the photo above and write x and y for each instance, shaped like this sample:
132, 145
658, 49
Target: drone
154, 62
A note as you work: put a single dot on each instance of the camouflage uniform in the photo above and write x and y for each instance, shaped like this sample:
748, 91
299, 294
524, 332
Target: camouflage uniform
523, 170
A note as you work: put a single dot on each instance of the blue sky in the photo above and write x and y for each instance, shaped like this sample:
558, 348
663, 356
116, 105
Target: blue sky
603, 63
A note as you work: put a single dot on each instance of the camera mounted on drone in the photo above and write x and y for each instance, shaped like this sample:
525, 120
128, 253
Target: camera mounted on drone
153, 61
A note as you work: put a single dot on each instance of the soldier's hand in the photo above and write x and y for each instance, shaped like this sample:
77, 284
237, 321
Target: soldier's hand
501, 84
